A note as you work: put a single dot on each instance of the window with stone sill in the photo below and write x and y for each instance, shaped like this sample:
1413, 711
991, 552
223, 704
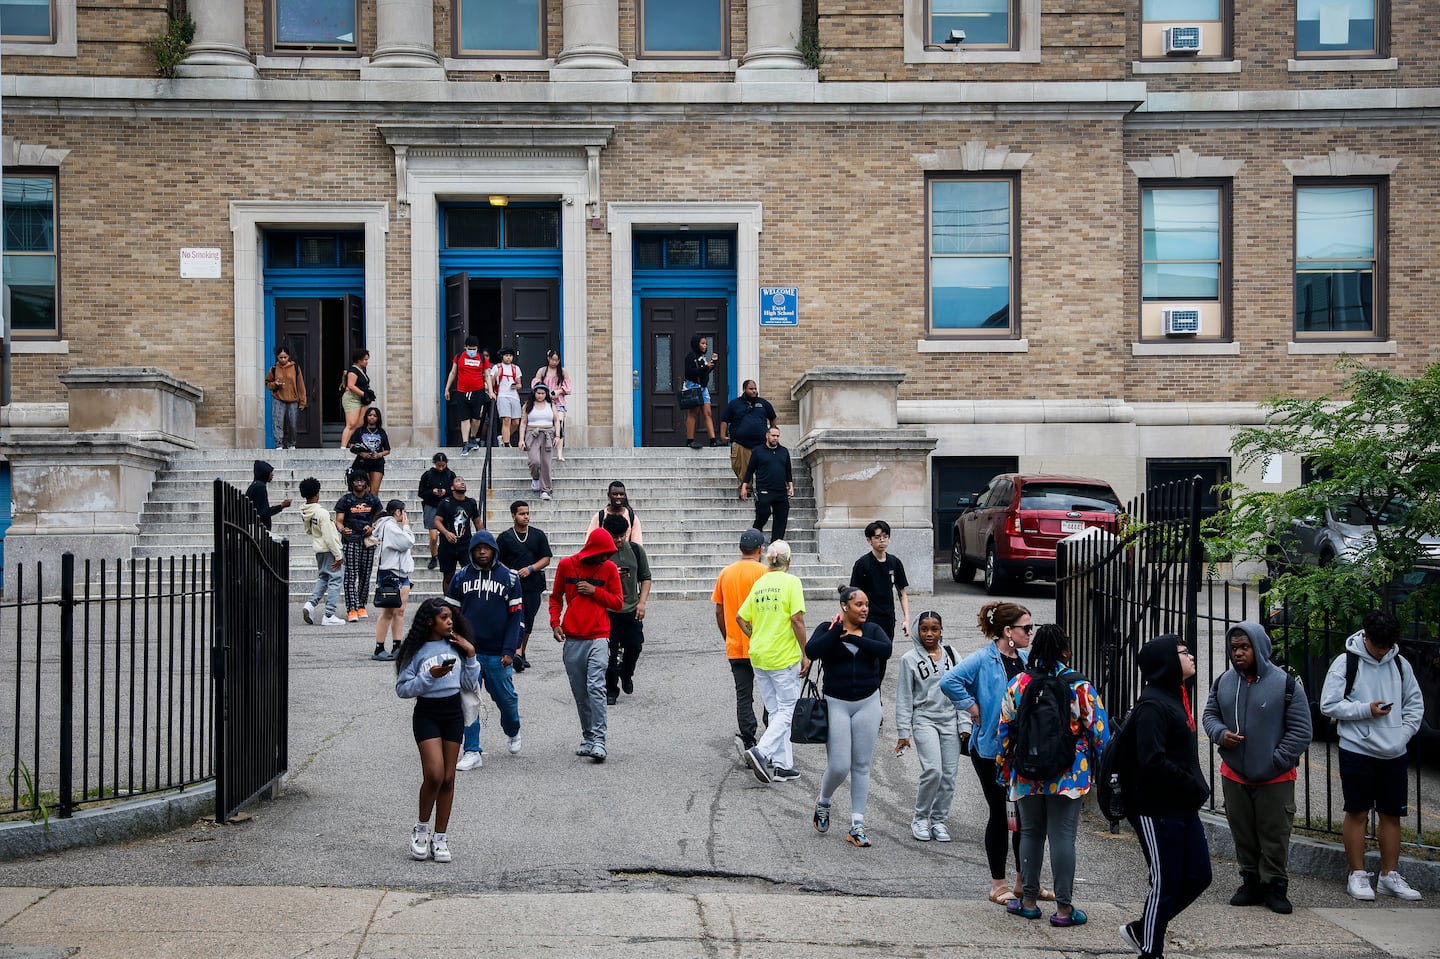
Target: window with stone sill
31, 254
1184, 257
27, 21
499, 28
987, 24
696, 29
313, 27
1337, 29
1213, 17
973, 256
1340, 269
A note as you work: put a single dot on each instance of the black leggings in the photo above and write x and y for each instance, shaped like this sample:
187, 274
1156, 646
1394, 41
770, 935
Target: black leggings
995, 826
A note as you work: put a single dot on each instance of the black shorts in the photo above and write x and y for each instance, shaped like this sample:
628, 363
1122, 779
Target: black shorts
439, 718
472, 405
448, 561
1381, 784
532, 606
362, 465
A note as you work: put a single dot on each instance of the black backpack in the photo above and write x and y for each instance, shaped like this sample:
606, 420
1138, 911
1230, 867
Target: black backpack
1113, 771
1043, 747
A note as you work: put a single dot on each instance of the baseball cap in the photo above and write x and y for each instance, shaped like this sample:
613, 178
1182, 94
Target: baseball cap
752, 539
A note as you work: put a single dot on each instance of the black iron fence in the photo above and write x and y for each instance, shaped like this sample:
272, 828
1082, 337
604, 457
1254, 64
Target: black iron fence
106, 690
1118, 588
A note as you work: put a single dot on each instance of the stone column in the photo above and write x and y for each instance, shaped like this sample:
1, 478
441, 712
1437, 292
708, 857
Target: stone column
592, 35
218, 49
864, 466
404, 41
773, 31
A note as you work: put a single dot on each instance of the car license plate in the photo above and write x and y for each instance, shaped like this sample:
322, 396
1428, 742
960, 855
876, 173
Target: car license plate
1072, 526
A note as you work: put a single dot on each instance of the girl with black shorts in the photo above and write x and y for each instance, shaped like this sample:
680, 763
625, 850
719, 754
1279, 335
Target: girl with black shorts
426, 672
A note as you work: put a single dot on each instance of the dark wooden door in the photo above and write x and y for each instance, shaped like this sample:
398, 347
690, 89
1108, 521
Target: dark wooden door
530, 321
297, 323
457, 327
666, 327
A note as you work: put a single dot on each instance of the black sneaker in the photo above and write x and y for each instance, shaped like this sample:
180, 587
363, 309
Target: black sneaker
627, 684
433, 564
695, 445
465, 448
611, 699
783, 775
758, 765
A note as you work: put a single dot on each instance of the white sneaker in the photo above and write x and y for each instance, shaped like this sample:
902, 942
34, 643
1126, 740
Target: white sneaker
1359, 886
332, 620
420, 842
939, 833
1393, 884
306, 611
545, 496
470, 760
513, 744
920, 829
440, 849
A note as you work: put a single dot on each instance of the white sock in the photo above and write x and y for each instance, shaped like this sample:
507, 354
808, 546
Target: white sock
423, 826
439, 837
856, 821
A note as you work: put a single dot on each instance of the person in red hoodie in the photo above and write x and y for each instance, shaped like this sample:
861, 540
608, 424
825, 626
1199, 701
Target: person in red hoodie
586, 590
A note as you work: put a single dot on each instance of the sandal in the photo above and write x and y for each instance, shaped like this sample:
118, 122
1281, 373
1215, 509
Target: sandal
1044, 895
1017, 907
1001, 895
1076, 918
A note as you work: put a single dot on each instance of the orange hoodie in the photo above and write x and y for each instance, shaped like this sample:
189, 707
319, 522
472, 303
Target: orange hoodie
587, 617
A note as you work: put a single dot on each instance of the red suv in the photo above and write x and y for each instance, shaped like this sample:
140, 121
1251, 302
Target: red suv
1012, 527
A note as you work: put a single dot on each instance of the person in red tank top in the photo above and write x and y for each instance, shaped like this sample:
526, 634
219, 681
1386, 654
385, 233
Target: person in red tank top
469, 378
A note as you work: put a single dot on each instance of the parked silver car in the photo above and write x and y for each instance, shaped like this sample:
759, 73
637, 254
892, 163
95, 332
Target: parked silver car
1344, 533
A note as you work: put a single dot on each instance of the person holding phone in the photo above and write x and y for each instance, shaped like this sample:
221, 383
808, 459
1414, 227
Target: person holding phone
1361, 691
429, 670
699, 364
392, 533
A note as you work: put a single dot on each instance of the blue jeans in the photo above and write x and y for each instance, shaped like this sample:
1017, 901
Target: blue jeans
499, 681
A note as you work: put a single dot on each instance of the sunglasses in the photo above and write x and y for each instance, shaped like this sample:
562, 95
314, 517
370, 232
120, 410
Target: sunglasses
1029, 628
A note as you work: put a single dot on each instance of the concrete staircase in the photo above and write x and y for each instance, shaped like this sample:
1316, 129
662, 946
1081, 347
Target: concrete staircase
686, 500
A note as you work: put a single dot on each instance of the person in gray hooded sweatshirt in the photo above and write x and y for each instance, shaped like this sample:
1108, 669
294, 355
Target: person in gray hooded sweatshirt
1260, 719
929, 721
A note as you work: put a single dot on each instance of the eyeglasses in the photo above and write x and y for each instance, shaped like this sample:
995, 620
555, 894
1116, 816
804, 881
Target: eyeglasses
1029, 627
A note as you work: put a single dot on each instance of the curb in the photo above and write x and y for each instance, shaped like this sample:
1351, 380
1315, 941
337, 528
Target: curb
128, 820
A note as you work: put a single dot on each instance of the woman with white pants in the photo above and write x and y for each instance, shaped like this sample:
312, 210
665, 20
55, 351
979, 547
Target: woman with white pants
853, 653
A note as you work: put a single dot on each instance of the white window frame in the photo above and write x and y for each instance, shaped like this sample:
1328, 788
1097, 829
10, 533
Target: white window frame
65, 43
917, 38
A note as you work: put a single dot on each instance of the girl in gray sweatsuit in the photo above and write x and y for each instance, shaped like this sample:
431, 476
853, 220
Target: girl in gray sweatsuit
929, 721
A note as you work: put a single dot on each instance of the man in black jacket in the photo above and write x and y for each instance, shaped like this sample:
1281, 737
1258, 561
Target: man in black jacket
435, 485
260, 496
1164, 792
774, 483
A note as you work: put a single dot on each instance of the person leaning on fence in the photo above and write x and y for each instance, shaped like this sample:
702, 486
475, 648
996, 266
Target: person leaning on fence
1365, 688
1260, 719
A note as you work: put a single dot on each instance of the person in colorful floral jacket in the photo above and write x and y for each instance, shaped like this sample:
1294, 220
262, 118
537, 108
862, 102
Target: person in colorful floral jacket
1051, 809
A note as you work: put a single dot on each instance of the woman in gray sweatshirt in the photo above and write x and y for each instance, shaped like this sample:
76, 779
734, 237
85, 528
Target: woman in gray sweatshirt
929, 721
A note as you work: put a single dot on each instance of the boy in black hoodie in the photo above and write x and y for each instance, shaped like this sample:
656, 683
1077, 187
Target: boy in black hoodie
260, 496
1164, 792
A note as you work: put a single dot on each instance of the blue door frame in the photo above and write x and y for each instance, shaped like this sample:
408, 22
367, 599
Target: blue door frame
710, 284
320, 284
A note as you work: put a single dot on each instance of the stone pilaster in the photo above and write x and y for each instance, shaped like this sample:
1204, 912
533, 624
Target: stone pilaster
773, 32
404, 42
218, 49
592, 42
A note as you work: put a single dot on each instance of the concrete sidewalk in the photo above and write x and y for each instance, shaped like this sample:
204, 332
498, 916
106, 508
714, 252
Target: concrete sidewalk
258, 922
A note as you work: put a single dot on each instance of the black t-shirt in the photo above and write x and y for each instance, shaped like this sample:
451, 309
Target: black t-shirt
433, 479
880, 583
748, 420
459, 517
360, 512
1014, 666
769, 470
517, 555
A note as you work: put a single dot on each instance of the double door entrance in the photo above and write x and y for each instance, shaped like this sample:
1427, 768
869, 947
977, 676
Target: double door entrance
667, 326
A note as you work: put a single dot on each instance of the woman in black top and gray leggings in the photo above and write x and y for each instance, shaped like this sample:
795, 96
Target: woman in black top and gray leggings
853, 653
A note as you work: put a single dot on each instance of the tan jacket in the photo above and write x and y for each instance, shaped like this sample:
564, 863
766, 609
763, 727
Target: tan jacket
286, 383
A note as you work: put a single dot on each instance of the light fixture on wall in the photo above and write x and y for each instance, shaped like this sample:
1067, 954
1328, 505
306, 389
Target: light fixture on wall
499, 199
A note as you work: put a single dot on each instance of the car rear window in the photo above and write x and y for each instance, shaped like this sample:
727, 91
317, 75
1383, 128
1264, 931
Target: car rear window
1069, 497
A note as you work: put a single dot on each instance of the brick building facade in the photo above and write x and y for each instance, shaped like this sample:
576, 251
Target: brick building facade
1003, 218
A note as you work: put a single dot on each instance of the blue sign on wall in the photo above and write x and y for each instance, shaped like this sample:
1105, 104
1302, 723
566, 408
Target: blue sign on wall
777, 306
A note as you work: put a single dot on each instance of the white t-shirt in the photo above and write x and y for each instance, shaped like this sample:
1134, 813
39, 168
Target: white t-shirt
507, 379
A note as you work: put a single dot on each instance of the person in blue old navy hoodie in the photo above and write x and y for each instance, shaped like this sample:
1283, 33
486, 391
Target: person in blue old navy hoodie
493, 605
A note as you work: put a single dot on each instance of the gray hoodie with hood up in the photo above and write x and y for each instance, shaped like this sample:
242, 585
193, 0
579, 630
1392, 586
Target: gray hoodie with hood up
1276, 734
918, 697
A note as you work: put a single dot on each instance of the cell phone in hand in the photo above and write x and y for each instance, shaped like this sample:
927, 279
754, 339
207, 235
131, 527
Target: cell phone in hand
1386, 707
448, 661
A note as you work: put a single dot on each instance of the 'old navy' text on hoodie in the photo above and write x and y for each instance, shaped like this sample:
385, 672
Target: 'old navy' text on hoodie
490, 601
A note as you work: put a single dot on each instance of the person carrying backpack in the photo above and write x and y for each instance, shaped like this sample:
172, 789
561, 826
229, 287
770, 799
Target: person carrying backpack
1053, 730
1260, 719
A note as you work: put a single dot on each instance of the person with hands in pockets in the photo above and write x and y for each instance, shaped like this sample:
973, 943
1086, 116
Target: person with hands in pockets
928, 720
1372, 694
426, 672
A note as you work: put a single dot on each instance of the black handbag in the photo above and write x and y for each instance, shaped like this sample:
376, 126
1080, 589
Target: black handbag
387, 593
691, 397
811, 720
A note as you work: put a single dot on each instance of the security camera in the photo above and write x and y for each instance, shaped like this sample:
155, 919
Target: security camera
957, 36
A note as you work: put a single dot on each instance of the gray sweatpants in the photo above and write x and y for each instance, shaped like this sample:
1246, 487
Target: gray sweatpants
585, 662
1056, 819
938, 748
850, 749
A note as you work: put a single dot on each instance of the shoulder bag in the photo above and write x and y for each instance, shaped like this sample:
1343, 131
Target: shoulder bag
691, 397
810, 722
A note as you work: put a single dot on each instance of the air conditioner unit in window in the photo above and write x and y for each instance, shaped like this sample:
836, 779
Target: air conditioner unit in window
1181, 322
1184, 39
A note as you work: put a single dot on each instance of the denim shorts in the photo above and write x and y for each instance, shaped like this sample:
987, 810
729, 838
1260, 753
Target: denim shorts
388, 577
704, 390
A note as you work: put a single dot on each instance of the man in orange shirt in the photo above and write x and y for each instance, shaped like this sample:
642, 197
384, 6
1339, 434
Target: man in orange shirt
731, 587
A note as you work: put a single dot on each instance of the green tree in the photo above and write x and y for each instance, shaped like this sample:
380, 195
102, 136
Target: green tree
1377, 445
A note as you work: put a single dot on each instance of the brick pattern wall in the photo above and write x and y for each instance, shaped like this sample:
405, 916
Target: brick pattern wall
112, 38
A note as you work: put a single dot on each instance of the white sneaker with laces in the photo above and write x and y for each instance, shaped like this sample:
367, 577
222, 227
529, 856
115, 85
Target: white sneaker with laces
545, 496
1393, 884
920, 829
307, 611
440, 849
332, 620
1359, 886
939, 832
470, 760
420, 842
513, 744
